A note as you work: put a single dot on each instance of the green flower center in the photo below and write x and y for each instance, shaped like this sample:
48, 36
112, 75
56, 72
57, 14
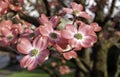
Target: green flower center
31, 35
34, 52
53, 35
10, 37
78, 36
76, 12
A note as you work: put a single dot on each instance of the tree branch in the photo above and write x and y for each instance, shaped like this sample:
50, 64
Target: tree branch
62, 3
110, 12
47, 7
51, 72
29, 19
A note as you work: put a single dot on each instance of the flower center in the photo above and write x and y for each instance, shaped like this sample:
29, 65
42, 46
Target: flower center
34, 52
0, 35
76, 12
31, 35
10, 37
78, 36
53, 35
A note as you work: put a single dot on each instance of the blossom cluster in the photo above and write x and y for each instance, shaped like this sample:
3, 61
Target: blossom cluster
6, 5
34, 43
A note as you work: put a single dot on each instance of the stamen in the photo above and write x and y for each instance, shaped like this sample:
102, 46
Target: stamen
54, 35
34, 52
9, 37
76, 12
78, 36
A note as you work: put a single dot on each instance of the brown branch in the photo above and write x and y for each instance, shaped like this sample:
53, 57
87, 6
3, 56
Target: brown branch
47, 7
118, 67
81, 1
62, 3
29, 19
99, 14
50, 71
8, 49
110, 12
80, 65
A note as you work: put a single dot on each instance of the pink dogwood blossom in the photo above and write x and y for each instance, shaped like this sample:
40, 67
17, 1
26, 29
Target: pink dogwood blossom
35, 52
63, 69
77, 10
53, 21
80, 37
54, 36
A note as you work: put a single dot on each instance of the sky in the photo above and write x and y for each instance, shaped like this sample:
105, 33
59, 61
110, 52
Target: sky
90, 2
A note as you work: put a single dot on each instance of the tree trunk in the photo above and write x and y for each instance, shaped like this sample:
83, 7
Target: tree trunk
100, 59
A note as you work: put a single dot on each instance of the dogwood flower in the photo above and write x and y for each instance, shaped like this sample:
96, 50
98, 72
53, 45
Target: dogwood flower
54, 36
81, 37
7, 33
35, 52
3, 7
77, 10
63, 69
53, 21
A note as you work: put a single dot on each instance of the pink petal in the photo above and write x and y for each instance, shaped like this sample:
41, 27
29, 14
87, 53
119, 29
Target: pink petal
67, 35
67, 10
58, 47
87, 44
24, 60
40, 43
55, 21
76, 6
75, 44
85, 29
71, 28
97, 28
88, 41
85, 15
7, 24
4, 42
46, 30
24, 46
69, 55
43, 55
43, 19
33, 64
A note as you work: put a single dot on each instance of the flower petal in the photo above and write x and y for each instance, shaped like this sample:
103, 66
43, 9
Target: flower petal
71, 28
76, 6
33, 64
24, 46
97, 28
67, 10
24, 60
75, 44
46, 30
69, 55
85, 29
67, 35
43, 56
88, 41
40, 42
85, 15
43, 19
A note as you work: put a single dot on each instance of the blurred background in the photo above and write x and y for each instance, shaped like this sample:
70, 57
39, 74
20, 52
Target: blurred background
102, 60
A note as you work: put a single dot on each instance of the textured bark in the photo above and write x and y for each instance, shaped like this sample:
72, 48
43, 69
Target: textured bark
117, 74
100, 59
